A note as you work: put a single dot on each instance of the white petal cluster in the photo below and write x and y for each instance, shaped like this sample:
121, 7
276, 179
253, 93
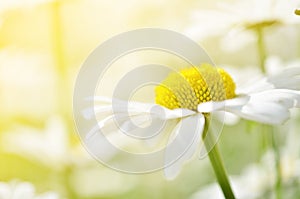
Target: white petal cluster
267, 101
23, 190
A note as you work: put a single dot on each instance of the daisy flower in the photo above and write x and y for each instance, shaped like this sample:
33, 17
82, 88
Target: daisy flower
274, 65
232, 19
50, 146
190, 96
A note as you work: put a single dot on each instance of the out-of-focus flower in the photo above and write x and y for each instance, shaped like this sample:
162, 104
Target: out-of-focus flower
23, 190
49, 145
274, 66
27, 83
232, 19
194, 92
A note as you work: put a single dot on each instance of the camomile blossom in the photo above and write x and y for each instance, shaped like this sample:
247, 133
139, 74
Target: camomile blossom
273, 65
50, 146
233, 19
192, 94
23, 190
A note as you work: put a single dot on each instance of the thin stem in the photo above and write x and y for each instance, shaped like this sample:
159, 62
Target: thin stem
273, 141
261, 49
217, 162
262, 60
277, 162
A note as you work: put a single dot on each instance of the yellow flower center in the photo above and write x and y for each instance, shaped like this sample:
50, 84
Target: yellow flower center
192, 86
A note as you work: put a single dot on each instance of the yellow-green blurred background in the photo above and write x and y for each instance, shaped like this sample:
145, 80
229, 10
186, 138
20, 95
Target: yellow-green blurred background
42, 46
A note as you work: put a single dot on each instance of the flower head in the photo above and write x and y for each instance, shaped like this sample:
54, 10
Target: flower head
234, 19
195, 85
194, 92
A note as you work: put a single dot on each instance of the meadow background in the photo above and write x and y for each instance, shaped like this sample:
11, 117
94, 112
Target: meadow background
42, 46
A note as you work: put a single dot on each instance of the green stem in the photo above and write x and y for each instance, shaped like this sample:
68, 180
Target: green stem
262, 59
217, 162
277, 164
261, 49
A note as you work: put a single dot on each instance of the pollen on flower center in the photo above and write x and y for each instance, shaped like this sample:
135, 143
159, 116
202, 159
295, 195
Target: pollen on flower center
194, 85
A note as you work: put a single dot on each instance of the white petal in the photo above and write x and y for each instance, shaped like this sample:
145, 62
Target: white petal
218, 23
182, 147
5, 190
135, 119
228, 118
289, 78
132, 117
143, 126
236, 39
100, 145
271, 107
23, 190
134, 108
211, 106
158, 111
268, 113
163, 136
257, 86
89, 112
92, 132
101, 99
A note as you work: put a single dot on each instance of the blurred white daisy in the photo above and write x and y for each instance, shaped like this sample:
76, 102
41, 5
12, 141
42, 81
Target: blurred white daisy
23, 190
232, 19
274, 66
50, 145
188, 96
